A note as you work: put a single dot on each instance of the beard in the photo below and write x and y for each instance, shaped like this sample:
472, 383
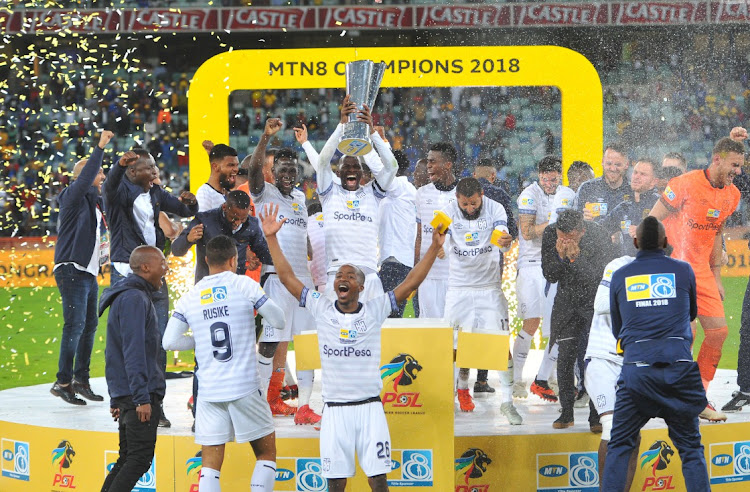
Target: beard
225, 183
473, 216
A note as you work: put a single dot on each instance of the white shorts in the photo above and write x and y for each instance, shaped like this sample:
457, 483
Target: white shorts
476, 311
432, 298
298, 319
373, 287
601, 383
242, 420
549, 301
530, 284
345, 430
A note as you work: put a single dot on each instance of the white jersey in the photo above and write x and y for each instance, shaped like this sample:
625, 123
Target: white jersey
219, 310
430, 200
474, 261
397, 213
293, 234
352, 222
602, 343
208, 198
533, 201
349, 345
564, 199
319, 263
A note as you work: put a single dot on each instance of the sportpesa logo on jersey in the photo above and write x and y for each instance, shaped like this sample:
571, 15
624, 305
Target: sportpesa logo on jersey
655, 286
299, 221
214, 294
355, 216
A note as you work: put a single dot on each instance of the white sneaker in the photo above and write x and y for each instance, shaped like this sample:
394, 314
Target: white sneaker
519, 390
712, 415
510, 412
582, 402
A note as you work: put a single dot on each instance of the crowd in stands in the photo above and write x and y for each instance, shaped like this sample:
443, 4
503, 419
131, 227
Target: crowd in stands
48, 122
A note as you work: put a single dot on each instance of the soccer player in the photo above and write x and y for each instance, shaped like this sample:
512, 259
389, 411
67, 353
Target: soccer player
219, 312
597, 197
624, 219
474, 301
352, 211
694, 207
674, 159
659, 378
318, 264
294, 243
534, 208
353, 419
431, 197
224, 168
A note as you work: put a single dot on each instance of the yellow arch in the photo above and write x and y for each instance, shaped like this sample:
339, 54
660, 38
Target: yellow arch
571, 72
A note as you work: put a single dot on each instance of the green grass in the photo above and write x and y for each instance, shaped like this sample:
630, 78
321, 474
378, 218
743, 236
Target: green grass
31, 325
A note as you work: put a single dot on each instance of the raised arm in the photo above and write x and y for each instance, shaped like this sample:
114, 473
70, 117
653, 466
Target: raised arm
88, 174
324, 172
188, 237
421, 269
255, 168
300, 133
114, 178
283, 269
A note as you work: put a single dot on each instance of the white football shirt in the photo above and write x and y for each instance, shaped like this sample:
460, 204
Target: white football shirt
319, 263
602, 343
349, 345
533, 201
397, 213
564, 199
429, 200
219, 310
293, 234
208, 198
474, 261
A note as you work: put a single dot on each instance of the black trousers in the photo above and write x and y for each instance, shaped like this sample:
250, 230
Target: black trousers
570, 343
137, 444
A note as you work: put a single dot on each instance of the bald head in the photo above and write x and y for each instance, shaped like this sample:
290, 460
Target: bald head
650, 235
142, 256
79, 167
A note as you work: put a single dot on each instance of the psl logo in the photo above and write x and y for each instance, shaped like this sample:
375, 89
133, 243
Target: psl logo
658, 457
472, 465
15, 459
62, 457
193, 467
568, 472
730, 462
147, 482
400, 371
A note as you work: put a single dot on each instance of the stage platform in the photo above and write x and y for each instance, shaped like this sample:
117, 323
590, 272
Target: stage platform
532, 456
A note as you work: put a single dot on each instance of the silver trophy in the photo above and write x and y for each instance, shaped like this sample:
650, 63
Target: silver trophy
363, 79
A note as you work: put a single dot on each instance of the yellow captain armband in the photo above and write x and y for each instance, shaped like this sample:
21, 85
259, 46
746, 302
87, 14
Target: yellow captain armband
441, 221
619, 349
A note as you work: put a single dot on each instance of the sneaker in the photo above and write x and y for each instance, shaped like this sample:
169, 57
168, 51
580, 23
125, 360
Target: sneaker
306, 415
281, 409
164, 421
519, 390
582, 400
710, 414
85, 391
482, 388
543, 391
510, 412
562, 423
465, 401
289, 392
66, 393
739, 400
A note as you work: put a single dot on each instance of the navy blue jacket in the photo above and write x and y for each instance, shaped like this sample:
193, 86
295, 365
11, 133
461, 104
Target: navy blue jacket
629, 213
499, 195
119, 195
76, 224
133, 341
215, 224
653, 301
598, 191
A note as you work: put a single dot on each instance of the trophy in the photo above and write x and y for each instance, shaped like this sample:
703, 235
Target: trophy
363, 79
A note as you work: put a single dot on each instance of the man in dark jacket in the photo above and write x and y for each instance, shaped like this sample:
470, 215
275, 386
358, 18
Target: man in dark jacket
653, 301
133, 205
133, 371
80, 250
574, 254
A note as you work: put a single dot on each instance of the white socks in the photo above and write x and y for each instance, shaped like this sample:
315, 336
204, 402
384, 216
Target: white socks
548, 363
209, 480
264, 476
506, 382
305, 387
265, 368
288, 375
463, 379
521, 348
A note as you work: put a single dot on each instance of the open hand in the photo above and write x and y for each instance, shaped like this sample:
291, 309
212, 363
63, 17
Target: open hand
268, 220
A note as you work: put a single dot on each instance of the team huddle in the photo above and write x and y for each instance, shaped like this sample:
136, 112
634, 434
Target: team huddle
344, 269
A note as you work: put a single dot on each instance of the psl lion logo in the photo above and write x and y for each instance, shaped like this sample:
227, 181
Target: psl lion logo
194, 464
660, 453
63, 454
472, 464
402, 371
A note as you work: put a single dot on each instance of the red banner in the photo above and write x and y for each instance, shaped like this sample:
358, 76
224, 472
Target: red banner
563, 14
462, 16
370, 18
